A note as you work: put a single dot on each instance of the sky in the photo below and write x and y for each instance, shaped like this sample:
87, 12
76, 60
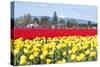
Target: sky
63, 10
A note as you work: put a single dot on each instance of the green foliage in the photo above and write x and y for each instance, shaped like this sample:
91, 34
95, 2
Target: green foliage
55, 19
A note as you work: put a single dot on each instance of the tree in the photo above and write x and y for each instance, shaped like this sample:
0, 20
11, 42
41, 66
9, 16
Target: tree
27, 19
72, 23
69, 24
36, 20
89, 22
62, 21
44, 20
24, 20
55, 19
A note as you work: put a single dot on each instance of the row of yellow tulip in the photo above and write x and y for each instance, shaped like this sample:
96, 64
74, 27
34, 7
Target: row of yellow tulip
43, 50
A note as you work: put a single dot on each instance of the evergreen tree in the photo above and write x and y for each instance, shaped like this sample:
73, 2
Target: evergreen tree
89, 23
55, 19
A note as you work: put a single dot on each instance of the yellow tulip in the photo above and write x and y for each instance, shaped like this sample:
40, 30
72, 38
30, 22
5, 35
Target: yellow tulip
42, 56
69, 52
78, 58
26, 41
48, 61
23, 59
25, 50
38, 45
16, 51
20, 38
31, 57
51, 52
93, 54
64, 45
45, 52
63, 60
74, 49
81, 57
87, 52
52, 45
59, 46
36, 49
85, 46
36, 54
29, 46
45, 47
73, 57
64, 53
59, 62
91, 48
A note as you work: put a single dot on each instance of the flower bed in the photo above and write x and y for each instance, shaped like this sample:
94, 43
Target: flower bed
30, 33
41, 50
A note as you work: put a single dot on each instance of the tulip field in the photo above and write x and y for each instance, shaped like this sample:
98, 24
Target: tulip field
51, 46
29, 33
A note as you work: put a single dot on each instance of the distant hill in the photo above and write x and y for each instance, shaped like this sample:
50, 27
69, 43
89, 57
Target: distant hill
66, 19
79, 21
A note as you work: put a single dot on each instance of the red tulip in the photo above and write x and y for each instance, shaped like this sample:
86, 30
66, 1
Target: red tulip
30, 33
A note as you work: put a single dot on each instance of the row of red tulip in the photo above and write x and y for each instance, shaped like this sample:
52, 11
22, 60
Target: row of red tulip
30, 33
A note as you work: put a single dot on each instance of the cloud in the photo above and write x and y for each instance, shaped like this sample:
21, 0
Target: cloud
62, 16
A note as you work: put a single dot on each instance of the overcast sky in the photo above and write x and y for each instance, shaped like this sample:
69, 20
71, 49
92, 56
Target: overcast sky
63, 10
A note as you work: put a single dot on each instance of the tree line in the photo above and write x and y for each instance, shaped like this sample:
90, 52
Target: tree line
46, 22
